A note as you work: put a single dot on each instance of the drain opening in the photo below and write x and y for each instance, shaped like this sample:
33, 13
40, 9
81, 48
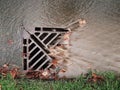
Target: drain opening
37, 47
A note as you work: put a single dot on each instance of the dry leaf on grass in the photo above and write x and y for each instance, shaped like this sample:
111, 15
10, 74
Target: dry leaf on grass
14, 73
95, 78
0, 87
4, 70
30, 74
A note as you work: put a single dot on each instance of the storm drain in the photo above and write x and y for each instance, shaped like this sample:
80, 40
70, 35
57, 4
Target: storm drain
36, 47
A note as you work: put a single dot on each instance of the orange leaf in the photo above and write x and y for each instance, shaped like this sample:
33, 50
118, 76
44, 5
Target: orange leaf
14, 73
54, 62
63, 70
96, 78
94, 75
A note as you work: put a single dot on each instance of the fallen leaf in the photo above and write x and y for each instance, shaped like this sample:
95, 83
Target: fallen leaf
21, 88
6, 65
63, 70
4, 70
31, 74
95, 78
0, 87
46, 74
54, 62
14, 73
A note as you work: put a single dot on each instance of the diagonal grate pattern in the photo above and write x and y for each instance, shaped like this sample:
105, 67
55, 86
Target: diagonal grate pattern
36, 47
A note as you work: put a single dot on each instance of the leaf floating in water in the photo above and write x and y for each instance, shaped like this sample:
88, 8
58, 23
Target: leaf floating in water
82, 22
10, 42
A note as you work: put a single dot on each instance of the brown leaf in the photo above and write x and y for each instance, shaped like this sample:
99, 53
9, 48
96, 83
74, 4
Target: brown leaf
4, 70
21, 88
14, 73
63, 70
29, 74
95, 78
33, 74
0, 87
54, 62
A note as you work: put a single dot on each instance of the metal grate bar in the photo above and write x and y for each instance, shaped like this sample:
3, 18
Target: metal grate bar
34, 55
42, 49
42, 43
46, 37
38, 44
42, 64
52, 39
32, 49
37, 61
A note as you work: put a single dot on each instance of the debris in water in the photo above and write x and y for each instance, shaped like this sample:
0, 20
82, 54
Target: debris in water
82, 22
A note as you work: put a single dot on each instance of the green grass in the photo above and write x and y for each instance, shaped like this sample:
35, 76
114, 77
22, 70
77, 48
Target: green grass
111, 82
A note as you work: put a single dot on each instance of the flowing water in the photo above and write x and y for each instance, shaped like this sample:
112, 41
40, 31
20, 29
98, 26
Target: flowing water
96, 45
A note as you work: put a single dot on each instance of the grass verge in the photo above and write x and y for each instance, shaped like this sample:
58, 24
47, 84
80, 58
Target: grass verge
111, 82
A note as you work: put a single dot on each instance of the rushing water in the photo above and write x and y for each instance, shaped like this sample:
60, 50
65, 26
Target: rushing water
102, 16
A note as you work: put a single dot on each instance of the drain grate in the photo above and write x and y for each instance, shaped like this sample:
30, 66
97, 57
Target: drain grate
36, 47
